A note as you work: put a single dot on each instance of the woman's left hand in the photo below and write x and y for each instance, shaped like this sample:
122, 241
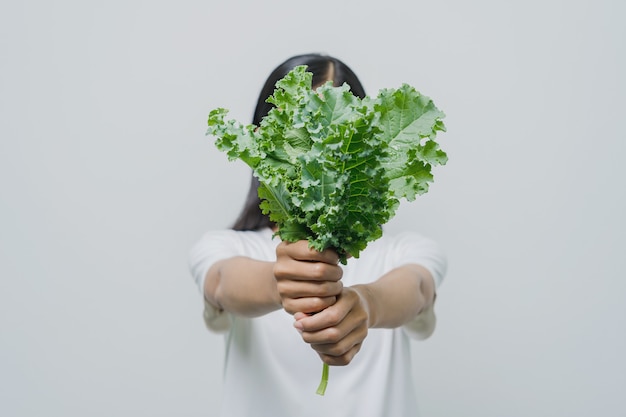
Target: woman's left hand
337, 332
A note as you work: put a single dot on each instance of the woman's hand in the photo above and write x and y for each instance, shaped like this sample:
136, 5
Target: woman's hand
332, 319
308, 281
337, 332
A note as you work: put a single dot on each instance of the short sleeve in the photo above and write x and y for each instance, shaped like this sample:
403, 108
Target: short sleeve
409, 247
414, 248
212, 247
215, 319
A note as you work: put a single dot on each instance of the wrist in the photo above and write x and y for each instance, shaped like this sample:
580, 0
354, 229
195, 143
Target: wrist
366, 295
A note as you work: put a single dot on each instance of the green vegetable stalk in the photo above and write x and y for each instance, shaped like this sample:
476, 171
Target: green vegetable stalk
321, 389
333, 167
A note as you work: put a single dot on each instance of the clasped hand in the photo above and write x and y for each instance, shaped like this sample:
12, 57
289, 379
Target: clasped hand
331, 318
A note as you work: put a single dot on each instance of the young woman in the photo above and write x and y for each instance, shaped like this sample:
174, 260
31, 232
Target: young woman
263, 293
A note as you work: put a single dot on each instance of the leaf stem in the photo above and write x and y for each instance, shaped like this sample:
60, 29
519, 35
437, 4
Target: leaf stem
321, 389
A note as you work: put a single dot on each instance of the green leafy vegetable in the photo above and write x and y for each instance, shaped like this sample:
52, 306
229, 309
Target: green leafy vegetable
333, 167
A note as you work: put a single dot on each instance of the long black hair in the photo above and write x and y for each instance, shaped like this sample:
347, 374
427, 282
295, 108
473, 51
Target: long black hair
323, 68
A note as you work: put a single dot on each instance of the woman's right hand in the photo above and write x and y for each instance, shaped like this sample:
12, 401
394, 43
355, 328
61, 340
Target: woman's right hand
308, 281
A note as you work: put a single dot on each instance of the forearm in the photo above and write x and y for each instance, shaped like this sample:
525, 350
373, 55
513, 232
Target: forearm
242, 286
398, 296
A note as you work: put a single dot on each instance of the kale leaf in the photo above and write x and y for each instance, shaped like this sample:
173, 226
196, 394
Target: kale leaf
333, 167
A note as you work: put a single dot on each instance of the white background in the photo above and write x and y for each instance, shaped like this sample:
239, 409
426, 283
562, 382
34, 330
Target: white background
107, 179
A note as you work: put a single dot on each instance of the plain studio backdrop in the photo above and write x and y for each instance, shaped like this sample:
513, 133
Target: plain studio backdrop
107, 179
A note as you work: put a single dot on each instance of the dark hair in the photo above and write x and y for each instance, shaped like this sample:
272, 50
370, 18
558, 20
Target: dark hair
323, 68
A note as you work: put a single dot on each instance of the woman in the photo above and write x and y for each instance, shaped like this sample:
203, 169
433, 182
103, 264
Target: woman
277, 300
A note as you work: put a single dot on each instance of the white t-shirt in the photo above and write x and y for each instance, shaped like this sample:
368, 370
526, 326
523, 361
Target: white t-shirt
271, 372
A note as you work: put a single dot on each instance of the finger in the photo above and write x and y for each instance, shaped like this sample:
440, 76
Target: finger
331, 317
350, 328
343, 359
288, 268
302, 251
298, 289
329, 256
342, 345
307, 305
300, 315
347, 309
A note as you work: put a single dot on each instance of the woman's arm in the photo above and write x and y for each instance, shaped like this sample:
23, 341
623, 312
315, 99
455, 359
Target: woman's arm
333, 319
395, 299
398, 296
301, 280
242, 286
